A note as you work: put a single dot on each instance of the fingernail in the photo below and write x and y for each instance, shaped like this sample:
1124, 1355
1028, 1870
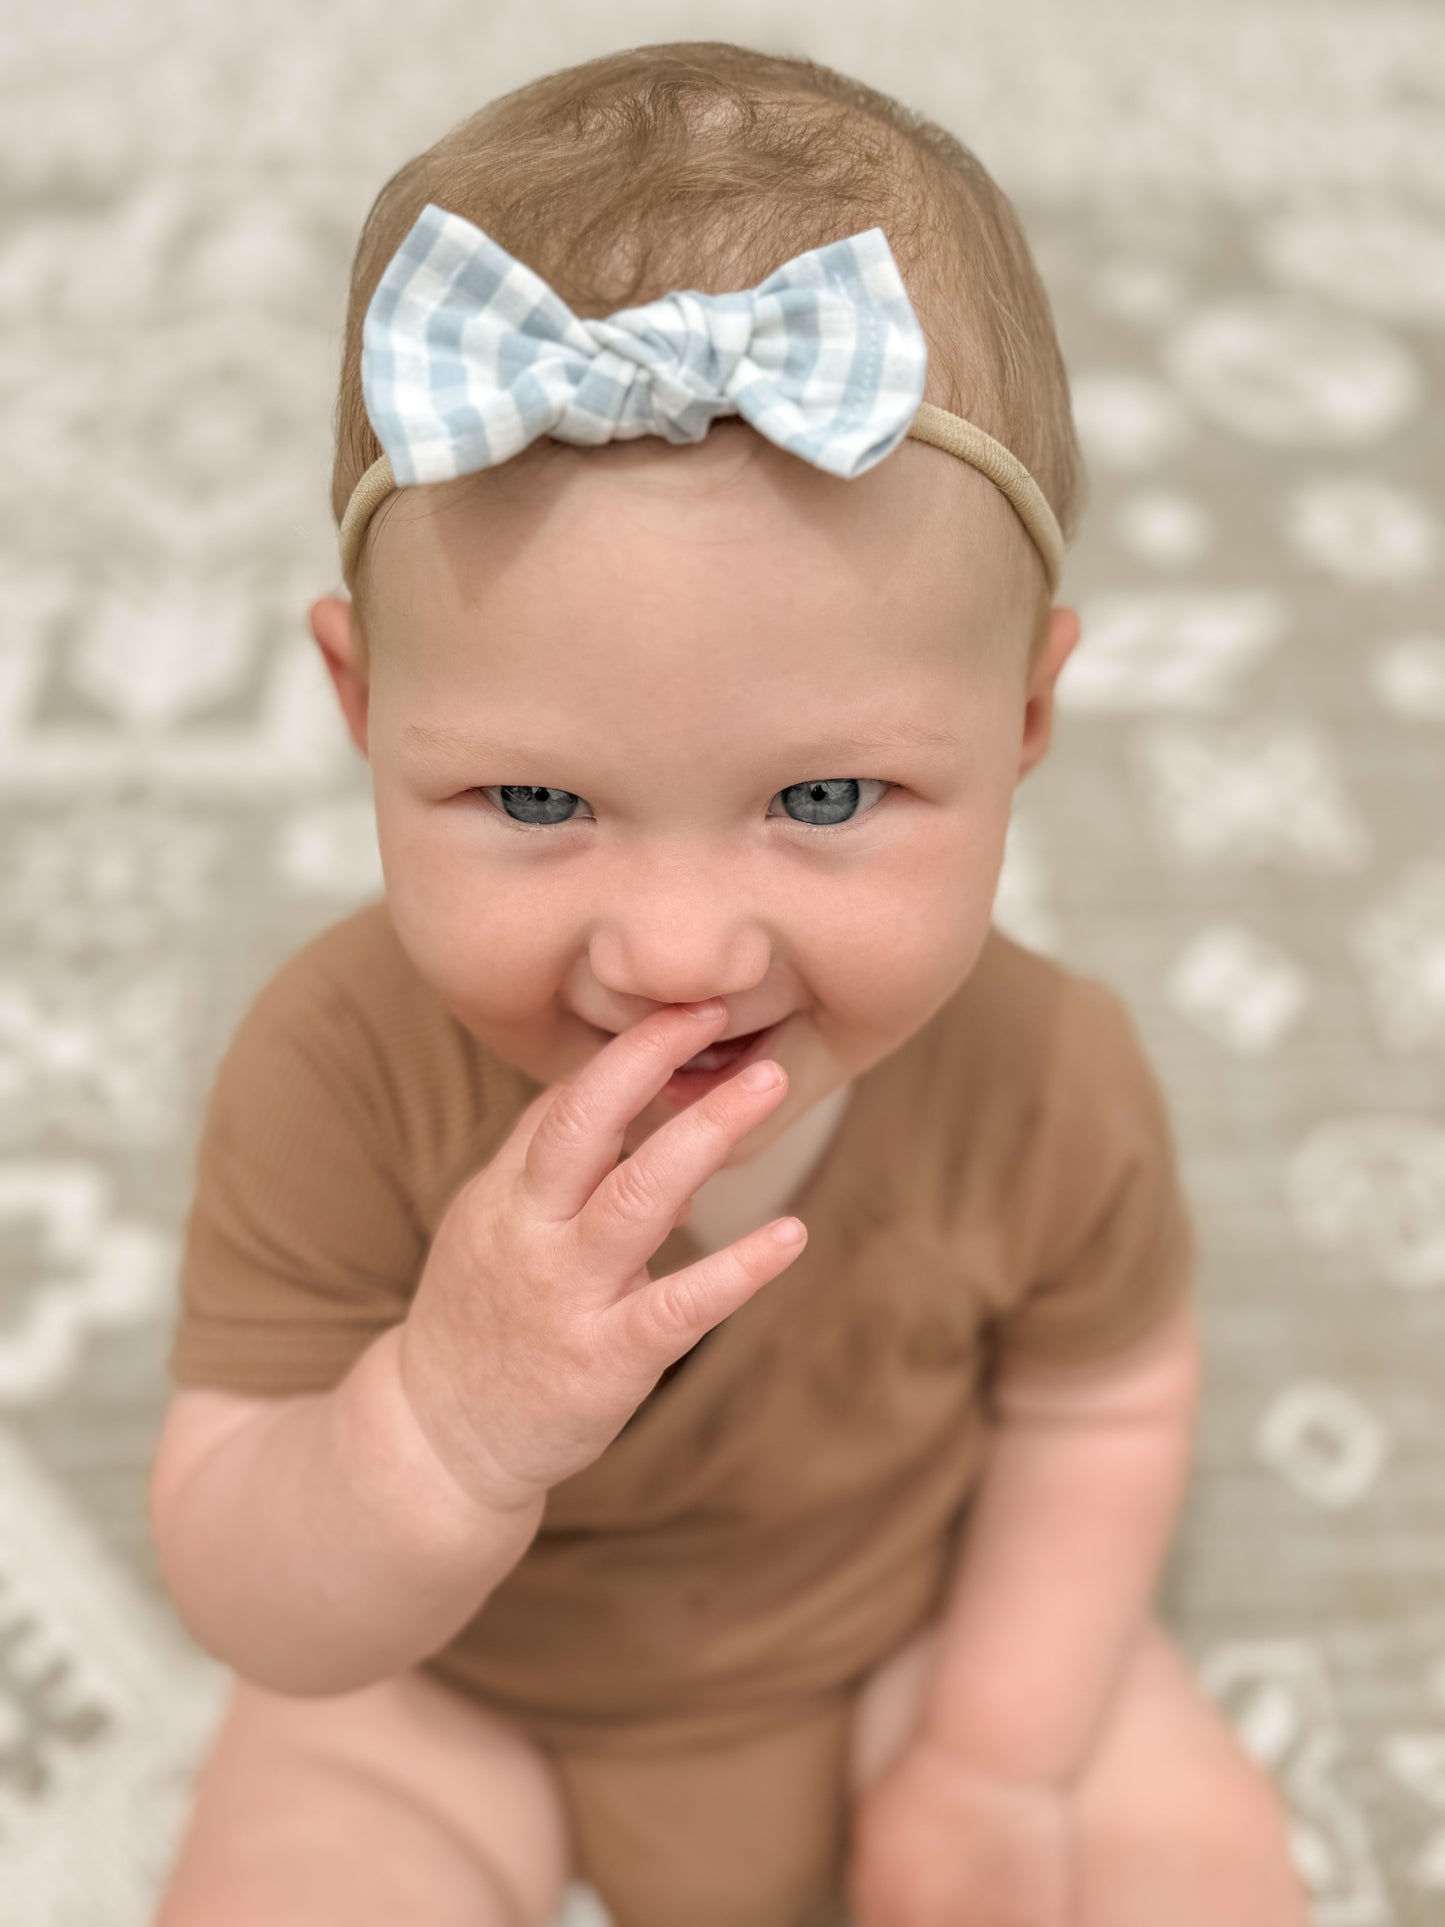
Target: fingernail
710, 1009
760, 1076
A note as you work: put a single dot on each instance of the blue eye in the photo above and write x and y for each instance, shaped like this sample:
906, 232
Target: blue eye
821, 799
551, 804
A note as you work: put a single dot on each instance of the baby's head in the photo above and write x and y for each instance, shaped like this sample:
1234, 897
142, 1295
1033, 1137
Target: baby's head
650, 723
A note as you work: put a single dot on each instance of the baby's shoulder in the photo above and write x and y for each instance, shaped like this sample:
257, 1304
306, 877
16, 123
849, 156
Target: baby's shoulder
1035, 1067
350, 995
355, 963
1069, 1039
1004, 1014
1023, 1021
357, 1042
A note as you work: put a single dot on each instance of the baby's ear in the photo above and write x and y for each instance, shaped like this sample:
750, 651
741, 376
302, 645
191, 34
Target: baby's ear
330, 621
1063, 634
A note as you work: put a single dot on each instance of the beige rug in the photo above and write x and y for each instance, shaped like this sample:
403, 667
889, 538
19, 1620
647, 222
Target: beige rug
1240, 214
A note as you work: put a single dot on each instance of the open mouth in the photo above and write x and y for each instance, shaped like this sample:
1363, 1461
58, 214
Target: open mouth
714, 1064
725, 1053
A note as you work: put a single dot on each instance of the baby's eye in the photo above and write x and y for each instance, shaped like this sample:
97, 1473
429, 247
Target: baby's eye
824, 803
830, 802
551, 806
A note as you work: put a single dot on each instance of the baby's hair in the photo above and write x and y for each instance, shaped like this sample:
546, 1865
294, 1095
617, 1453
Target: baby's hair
703, 164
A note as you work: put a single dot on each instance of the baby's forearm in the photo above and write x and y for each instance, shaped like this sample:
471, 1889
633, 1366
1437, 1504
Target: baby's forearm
1062, 1552
323, 1547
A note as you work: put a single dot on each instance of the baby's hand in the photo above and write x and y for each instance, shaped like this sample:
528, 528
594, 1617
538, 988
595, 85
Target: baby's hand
936, 1842
536, 1329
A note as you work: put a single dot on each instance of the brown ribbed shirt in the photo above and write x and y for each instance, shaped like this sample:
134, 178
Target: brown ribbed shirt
783, 1508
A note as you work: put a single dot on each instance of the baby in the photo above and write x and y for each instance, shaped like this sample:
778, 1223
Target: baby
686, 1369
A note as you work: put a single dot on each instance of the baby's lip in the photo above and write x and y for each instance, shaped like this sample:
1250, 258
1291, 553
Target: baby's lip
728, 1036
755, 1031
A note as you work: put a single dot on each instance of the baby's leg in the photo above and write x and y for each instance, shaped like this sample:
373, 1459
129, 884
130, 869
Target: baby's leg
404, 1801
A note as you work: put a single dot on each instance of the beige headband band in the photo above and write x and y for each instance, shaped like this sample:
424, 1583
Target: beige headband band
936, 426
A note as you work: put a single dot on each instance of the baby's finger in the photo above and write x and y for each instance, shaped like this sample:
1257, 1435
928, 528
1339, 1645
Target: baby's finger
666, 1317
578, 1139
512, 1151
627, 1216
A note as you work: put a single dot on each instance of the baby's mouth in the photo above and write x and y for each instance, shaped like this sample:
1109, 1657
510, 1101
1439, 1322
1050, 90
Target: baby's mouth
717, 1057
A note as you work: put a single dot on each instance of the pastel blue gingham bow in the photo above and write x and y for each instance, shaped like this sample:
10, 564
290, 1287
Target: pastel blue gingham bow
468, 355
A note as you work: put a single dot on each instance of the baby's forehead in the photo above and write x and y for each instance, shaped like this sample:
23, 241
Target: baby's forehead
733, 485
728, 529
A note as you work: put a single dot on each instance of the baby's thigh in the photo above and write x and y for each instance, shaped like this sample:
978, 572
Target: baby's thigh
402, 1801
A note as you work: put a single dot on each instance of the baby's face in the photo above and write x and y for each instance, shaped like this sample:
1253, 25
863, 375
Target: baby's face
651, 724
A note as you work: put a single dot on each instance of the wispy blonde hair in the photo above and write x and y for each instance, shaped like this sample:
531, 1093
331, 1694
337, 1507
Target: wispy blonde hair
703, 164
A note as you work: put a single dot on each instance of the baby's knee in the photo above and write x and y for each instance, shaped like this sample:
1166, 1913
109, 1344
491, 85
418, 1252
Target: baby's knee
314, 1812
1247, 1828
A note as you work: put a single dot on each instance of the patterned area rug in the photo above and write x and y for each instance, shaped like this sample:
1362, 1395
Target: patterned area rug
1240, 214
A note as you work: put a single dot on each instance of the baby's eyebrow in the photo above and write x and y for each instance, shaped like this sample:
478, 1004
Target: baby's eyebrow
900, 733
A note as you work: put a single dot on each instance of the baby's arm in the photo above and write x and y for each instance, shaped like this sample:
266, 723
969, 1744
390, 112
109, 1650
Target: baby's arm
323, 1545
351, 1533
1062, 1551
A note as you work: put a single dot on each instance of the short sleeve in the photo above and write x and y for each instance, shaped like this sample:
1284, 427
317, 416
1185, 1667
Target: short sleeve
1109, 1240
302, 1244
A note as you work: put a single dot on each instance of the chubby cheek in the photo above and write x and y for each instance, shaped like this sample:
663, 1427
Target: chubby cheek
478, 940
892, 959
